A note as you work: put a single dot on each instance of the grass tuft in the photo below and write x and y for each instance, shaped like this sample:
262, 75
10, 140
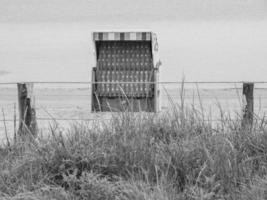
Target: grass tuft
173, 155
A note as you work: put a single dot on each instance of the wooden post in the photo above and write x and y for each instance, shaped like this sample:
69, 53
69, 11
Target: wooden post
248, 105
94, 98
27, 113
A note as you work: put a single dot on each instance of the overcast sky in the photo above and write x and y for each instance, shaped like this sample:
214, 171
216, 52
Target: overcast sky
207, 40
92, 10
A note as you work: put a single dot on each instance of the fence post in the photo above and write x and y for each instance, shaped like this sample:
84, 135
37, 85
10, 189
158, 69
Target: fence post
248, 105
27, 113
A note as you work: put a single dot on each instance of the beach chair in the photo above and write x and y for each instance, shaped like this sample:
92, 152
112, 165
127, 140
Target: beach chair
126, 71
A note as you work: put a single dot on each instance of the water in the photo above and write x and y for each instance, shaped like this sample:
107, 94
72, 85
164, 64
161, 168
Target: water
200, 50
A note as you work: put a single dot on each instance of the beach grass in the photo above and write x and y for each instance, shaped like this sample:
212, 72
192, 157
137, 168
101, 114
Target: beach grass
179, 154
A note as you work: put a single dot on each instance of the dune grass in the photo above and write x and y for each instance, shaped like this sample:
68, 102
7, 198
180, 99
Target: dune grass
175, 155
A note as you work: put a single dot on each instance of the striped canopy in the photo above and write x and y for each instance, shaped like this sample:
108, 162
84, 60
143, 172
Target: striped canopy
122, 36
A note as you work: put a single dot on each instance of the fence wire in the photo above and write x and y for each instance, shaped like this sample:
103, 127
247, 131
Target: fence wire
71, 106
159, 82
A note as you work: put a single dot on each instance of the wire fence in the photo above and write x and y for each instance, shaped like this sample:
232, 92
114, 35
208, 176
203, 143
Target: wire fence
63, 104
67, 102
113, 82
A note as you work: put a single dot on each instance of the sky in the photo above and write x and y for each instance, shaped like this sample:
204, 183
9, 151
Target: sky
204, 40
149, 10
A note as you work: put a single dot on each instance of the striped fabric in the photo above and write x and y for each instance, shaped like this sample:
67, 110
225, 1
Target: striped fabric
118, 36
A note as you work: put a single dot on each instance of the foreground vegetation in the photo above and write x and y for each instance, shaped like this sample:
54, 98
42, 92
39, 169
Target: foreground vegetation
177, 155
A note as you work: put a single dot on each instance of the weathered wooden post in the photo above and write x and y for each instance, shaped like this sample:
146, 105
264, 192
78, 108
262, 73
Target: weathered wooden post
27, 113
248, 105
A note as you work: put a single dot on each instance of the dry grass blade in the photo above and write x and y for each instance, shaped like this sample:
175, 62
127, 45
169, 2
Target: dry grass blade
15, 124
6, 133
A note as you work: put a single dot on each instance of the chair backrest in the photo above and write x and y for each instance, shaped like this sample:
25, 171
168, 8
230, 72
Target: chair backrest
125, 61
